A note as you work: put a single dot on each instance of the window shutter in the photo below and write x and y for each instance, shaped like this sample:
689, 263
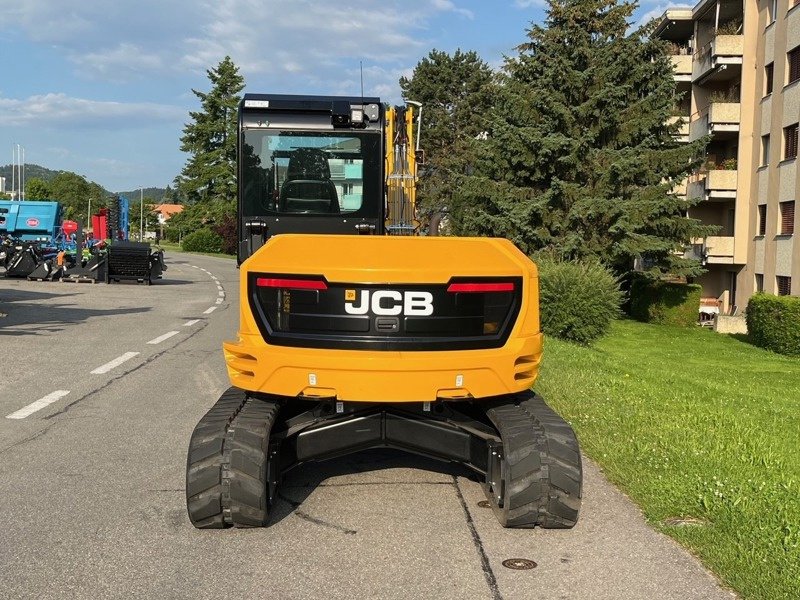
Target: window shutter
787, 218
790, 138
762, 219
794, 64
784, 285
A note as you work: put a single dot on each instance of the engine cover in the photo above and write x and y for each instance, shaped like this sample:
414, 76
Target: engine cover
387, 319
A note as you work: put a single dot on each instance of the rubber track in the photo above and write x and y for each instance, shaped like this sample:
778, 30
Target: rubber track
249, 458
221, 451
543, 464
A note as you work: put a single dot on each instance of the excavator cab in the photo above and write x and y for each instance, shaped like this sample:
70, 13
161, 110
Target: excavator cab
309, 165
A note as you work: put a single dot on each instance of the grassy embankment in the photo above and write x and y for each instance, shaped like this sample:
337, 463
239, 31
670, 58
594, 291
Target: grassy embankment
695, 425
168, 247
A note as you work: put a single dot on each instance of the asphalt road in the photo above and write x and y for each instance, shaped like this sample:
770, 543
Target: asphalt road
104, 397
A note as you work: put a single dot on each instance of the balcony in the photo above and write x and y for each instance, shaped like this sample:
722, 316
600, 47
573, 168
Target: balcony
713, 250
682, 134
682, 67
720, 119
716, 184
719, 60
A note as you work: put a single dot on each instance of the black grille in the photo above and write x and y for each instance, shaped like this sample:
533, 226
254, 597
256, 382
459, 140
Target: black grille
383, 317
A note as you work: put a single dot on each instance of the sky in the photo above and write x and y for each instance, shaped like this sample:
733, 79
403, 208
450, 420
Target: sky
103, 87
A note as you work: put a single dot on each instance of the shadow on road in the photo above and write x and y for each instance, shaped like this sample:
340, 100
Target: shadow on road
27, 316
301, 482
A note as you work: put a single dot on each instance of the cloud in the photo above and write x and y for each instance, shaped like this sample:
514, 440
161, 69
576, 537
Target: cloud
50, 110
130, 39
531, 3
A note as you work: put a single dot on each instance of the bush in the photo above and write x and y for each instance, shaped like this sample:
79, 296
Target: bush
665, 302
202, 240
773, 322
226, 229
578, 301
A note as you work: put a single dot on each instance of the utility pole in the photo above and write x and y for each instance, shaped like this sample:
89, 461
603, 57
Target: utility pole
13, 169
141, 213
23, 173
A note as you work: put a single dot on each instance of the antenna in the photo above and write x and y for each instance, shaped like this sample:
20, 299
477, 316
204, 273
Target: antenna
361, 69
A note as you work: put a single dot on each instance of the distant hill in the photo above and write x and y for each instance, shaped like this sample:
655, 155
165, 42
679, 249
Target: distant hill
154, 193
31, 171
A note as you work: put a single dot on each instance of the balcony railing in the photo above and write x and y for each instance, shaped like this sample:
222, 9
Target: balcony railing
721, 50
714, 250
682, 64
716, 184
719, 117
683, 131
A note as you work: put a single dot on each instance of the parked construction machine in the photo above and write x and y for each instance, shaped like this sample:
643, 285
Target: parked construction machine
355, 333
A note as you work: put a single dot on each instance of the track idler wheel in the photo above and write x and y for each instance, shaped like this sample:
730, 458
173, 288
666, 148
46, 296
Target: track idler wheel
232, 469
535, 475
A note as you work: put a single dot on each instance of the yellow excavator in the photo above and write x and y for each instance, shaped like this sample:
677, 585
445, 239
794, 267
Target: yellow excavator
356, 332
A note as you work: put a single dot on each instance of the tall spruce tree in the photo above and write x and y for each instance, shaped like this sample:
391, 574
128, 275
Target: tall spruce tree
456, 93
210, 139
579, 158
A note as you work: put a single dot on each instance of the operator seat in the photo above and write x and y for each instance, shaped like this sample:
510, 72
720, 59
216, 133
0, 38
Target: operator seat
308, 187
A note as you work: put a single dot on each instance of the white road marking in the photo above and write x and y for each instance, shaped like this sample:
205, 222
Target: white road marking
114, 363
38, 405
195, 267
221, 293
220, 300
190, 323
161, 338
208, 311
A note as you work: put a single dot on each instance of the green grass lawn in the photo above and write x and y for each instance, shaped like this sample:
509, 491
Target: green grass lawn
168, 247
694, 424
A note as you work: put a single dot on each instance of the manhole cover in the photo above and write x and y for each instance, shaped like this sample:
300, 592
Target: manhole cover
484, 504
519, 564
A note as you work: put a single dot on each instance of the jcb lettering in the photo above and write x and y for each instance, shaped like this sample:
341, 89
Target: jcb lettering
389, 303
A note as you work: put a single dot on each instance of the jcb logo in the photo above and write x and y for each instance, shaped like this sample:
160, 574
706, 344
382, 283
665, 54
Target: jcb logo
388, 303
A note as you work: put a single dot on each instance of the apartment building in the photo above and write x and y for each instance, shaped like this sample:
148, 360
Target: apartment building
737, 65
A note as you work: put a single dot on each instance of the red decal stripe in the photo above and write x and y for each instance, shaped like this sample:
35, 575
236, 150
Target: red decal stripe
481, 287
292, 284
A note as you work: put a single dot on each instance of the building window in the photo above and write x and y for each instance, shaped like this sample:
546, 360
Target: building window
784, 285
760, 278
790, 141
768, 73
347, 188
787, 218
765, 148
794, 64
762, 219
773, 10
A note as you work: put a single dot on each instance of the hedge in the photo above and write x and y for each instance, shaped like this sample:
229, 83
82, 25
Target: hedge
665, 302
577, 301
202, 240
773, 322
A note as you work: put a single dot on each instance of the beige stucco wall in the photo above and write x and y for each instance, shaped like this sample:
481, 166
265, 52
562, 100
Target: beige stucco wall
783, 255
763, 187
787, 172
792, 27
758, 260
766, 116
769, 44
791, 105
